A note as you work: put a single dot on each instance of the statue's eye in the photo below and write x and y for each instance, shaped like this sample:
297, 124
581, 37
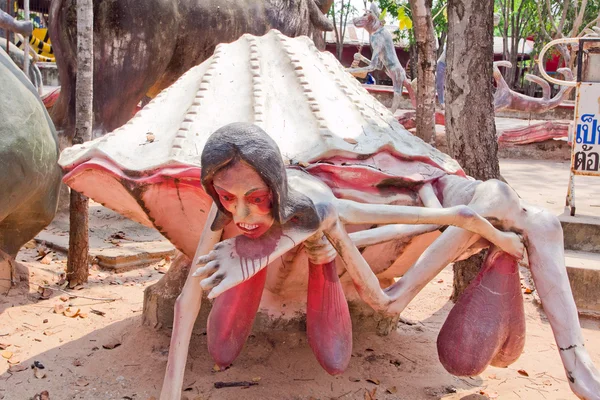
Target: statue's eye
226, 197
258, 200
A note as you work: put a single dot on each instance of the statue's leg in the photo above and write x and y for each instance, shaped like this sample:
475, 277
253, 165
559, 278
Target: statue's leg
545, 249
187, 307
231, 318
544, 241
328, 324
398, 77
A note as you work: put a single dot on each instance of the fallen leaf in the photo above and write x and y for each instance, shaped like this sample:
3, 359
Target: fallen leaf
256, 379
162, 270
440, 281
528, 290
77, 362
18, 368
150, 137
354, 379
47, 259
14, 360
350, 140
64, 297
370, 395
392, 390
547, 382
83, 315
45, 293
42, 396
71, 313
492, 376
373, 380
81, 382
59, 308
7, 354
112, 344
42, 251
216, 368
48, 332
30, 245
39, 373
3, 346
523, 372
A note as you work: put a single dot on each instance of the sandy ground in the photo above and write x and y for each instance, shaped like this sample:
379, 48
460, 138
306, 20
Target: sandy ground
403, 365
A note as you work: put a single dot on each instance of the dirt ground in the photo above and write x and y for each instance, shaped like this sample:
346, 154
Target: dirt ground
403, 365
113, 356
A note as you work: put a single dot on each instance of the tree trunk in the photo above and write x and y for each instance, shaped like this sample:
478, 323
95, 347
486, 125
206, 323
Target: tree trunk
77, 264
426, 55
470, 127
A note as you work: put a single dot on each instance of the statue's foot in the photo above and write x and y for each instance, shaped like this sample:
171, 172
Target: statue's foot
231, 318
584, 378
328, 324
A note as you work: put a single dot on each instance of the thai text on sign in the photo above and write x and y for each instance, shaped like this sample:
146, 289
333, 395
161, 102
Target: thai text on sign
585, 158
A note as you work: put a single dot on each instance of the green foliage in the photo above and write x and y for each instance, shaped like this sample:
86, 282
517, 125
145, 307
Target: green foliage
401, 10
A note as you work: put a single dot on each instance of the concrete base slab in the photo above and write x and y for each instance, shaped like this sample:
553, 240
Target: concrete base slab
581, 232
116, 243
584, 274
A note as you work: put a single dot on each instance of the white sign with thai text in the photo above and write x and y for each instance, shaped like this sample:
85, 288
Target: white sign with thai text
585, 158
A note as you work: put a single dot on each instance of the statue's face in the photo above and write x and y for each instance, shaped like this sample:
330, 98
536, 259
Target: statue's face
245, 195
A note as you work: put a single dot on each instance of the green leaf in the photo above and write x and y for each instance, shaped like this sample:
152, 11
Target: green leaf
382, 15
404, 21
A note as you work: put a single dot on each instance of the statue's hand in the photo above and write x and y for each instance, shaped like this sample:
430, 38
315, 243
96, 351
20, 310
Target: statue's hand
225, 267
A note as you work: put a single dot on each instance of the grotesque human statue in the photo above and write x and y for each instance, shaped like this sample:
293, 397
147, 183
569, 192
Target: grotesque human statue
262, 211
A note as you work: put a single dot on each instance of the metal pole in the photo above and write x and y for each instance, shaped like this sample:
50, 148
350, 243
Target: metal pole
26, 48
7, 31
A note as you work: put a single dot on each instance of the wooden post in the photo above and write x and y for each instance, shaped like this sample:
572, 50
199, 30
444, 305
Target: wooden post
77, 264
26, 48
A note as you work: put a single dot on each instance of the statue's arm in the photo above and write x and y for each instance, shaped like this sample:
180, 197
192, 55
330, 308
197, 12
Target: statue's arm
227, 266
375, 62
187, 308
9, 23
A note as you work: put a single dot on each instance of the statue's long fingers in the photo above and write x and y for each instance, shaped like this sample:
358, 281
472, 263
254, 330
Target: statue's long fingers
207, 258
212, 281
222, 286
207, 269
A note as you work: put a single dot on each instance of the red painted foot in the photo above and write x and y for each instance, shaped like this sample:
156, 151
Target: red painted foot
230, 320
328, 324
487, 324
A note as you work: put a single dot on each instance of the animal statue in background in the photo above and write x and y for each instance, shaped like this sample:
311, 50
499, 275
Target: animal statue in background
142, 47
29, 173
383, 55
507, 99
7, 22
304, 178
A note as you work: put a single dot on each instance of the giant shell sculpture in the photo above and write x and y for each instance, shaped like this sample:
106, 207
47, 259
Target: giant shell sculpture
319, 115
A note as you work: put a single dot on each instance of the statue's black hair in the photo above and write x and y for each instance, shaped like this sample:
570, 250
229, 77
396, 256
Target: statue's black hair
241, 141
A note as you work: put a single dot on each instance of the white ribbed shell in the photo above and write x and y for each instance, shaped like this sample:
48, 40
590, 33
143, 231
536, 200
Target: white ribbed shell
300, 96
